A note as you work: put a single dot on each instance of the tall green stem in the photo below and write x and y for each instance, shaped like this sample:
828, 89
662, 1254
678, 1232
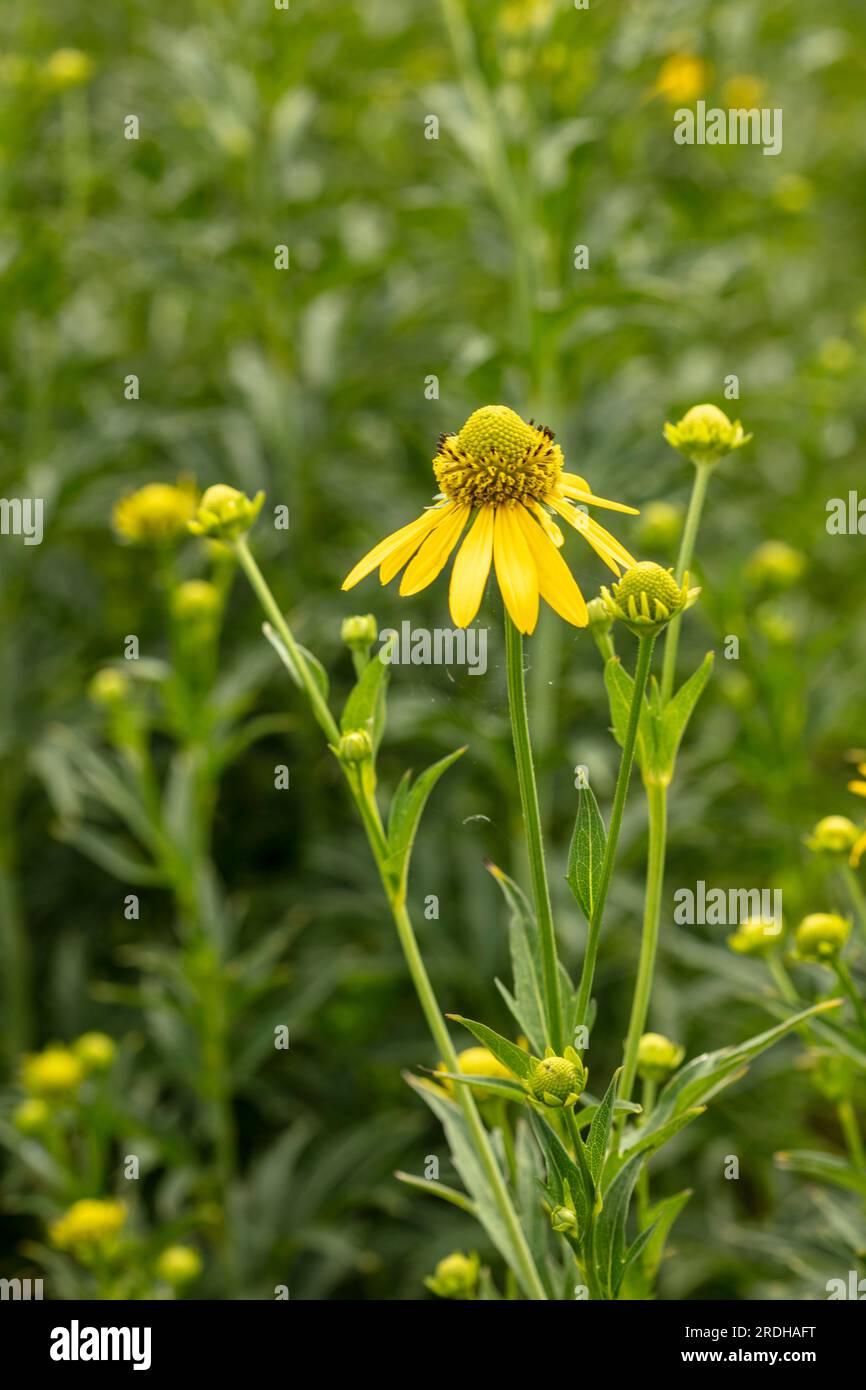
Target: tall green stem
684, 560
626, 762
657, 806
846, 980
856, 893
534, 839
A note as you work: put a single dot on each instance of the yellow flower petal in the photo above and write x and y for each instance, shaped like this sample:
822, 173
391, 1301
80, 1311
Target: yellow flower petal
578, 489
859, 788
550, 526
416, 529
471, 568
556, 583
857, 852
515, 570
602, 542
434, 552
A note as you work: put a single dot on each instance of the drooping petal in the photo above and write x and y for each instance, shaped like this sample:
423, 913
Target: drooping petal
603, 543
416, 530
550, 526
857, 852
515, 570
471, 568
556, 583
859, 788
434, 552
570, 485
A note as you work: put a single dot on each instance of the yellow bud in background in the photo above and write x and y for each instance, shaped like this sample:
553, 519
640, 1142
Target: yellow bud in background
455, 1277
68, 67
657, 1057
178, 1265
108, 688
835, 835
54, 1074
31, 1116
224, 513
705, 434
95, 1050
821, 936
88, 1225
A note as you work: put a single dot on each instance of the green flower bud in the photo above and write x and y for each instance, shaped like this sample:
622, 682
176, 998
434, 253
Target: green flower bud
705, 434
224, 514
557, 1081
178, 1265
821, 936
564, 1219
359, 632
108, 687
455, 1277
835, 835
196, 601
755, 937
659, 526
356, 747
96, 1050
776, 565
599, 619
31, 1115
647, 597
657, 1057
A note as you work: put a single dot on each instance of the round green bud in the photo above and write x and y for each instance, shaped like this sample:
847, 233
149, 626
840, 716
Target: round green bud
356, 747
224, 513
776, 565
755, 937
705, 434
96, 1050
836, 835
564, 1219
599, 618
821, 936
195, 601
359, 632
657, 1057
647, 597
557, 1081
455, 1277
108, 688
178, 1265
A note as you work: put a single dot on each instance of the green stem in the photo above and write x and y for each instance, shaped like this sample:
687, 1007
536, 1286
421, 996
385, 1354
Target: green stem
657, 807
626, 762
534, 840
782, 979
684, 560
856, 892
851, 1131
847, 982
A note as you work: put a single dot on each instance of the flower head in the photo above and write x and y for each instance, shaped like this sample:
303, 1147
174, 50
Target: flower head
476, 1061
54, 1074
157, 514
705, 434
507, 476
821, 936
755, 937
96, 1050
224, 513
657, 1057
355, 746
31, 1115
682, 77
178, 1265
109, 687
68, 67
557, 1081
195, 601
88, 1225
359, 632
456, 1276
834, 835
647, 597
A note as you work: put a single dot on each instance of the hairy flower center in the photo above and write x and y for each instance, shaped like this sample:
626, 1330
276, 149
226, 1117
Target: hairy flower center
497, 458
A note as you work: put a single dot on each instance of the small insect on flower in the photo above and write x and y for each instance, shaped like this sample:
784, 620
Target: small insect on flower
657, 1057
507, 476
705, 434
647, 597
821, 936
456, 1276
54, 1074
90, 1224
157, 514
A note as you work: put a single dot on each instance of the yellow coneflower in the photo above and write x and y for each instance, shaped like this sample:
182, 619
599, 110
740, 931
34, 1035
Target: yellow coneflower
53, 1074
157, 514
508, 475
90, 1223
682, 77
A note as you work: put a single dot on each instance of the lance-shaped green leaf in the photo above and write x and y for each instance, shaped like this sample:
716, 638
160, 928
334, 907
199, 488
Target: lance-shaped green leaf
640, 1141
568, 1181
407, 807
678, 711
586, 852
620, 688
599, 1130
827, 1168
608, 1245
528, 1002
508, 1053
431, 1187
365, 707
319, 674
495, 1086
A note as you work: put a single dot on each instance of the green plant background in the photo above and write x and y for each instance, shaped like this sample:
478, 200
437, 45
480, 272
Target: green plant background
156, 257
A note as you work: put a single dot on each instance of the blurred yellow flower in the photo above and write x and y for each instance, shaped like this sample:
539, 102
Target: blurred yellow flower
742, 91
69, 67
157, 514
859, 789
108, 687
518, 19
96, 1050
777, 564
31, 1115
178, 1265
476, 1061
92, 1222
682, 78
507, 475
55, 1074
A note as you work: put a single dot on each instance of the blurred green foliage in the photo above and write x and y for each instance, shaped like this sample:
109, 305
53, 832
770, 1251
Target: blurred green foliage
411, 258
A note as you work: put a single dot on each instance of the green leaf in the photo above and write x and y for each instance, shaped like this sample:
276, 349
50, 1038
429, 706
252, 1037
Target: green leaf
533, 1217
827, 1168
508, 1053
432, 1188
492, 1085
650, 1139
599, 1130
365, 707
620, 688
608, 1247
586, 852
317, 670
406, 811
525, 960
678, 712
565, 1177
660, 1218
